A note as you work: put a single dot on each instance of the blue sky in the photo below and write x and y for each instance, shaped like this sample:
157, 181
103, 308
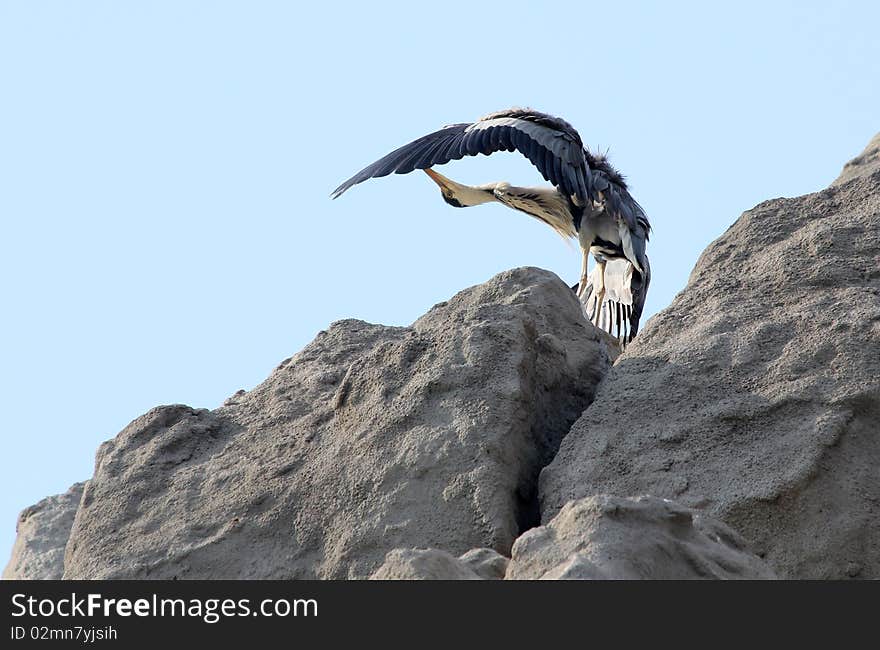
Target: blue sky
165, 168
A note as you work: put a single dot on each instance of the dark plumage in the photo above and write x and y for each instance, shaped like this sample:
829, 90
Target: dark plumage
552, 145
591, 200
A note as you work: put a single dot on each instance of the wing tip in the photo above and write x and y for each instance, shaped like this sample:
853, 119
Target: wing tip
339, 191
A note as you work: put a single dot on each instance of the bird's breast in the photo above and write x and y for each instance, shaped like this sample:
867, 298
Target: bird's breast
600, 225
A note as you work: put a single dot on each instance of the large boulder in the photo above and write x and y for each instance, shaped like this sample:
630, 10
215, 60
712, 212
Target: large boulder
369, 439
755, 396
613, 538
42, 533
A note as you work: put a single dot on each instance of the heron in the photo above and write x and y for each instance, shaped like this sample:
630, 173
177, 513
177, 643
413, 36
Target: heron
589, 201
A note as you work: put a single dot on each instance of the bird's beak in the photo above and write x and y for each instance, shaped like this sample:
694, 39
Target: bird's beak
445, 184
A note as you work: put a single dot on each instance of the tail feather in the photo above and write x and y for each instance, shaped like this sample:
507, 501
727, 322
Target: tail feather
625, 290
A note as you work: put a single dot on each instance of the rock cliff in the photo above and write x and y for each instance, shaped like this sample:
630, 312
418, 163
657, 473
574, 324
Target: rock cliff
755, 396
497, 437
42, 533
370, 438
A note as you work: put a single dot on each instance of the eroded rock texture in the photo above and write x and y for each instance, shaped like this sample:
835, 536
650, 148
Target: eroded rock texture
42, 533
646, 538
369, 439
599, 538
755, 396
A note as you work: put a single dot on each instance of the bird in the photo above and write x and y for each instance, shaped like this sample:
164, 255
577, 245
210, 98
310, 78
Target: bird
589, 201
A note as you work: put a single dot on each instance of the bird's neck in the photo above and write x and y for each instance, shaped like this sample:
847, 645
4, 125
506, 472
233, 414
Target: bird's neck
467, 195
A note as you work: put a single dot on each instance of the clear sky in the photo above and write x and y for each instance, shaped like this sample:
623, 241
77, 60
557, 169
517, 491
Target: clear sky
165, 167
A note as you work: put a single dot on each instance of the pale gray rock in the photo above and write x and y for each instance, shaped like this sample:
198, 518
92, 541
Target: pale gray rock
423, 564
755, 396
613, 538
865, 164
42, 533
486, 563
371, 438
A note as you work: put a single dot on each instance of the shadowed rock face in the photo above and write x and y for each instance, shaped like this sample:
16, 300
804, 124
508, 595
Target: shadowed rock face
755, 396
371, 438
43, 530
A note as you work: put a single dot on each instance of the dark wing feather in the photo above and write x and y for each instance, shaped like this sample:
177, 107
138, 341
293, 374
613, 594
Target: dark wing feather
551, 144
617, 199
639, 290
620, 204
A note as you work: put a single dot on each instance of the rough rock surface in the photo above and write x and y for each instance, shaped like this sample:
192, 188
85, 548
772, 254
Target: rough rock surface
43, 530
865, 164
423, 564
486, 563
434, 564
599, 538
754, 398
614, 538
756, 395
369, 439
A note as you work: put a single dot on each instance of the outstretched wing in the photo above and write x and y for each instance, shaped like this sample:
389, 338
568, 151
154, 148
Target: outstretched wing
550, 143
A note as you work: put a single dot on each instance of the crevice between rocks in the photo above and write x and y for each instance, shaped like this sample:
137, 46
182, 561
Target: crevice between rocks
548, 440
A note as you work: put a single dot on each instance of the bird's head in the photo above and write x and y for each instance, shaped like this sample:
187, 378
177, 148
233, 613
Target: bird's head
601, 163
447, 187
458, 195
